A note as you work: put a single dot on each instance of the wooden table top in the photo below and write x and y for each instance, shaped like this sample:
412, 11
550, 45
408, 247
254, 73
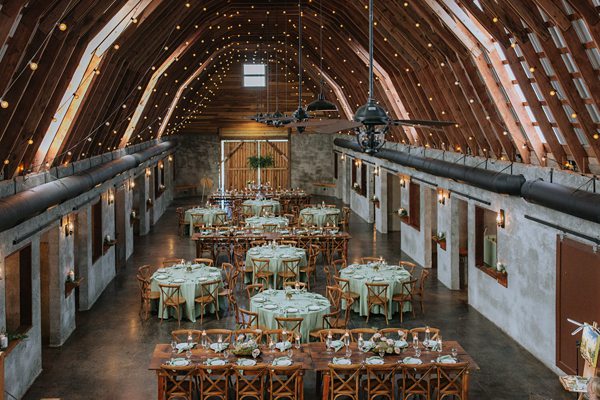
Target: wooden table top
162, 353
313, 356
321, 357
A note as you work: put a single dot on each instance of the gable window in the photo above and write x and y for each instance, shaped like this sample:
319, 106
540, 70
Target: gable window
255, 75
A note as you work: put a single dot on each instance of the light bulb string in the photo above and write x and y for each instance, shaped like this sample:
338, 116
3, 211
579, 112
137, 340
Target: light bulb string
371, 21
299, 54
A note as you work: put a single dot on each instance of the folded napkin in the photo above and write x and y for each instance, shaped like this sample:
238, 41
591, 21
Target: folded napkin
340, 361
446, 359
210, 361
337, 345
374, 360
368, 345
181, 349
283, 346
219, 347
278, 360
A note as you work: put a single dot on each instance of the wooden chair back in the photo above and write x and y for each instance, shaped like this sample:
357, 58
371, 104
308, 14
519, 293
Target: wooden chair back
290, 324
206, 261
277, 335
328, 277
291, 267
433, 332
330, 219
169, 262
344, 381
144, 271
249, 381
307, 219
416, 380
366, 260
336, 334
420, 289
247, 210
451, 380
270, 227
248, 319
342, 283
209, 292
409, 266
249, 333
181, 335
292, 243
334, 295
170, 294
212, 335
338, 265
260, 269
214, 381
179, 382
301, 285
380, 381
286, 382
389, 332
365, 332
197, 220
266, 210
220, 219
253, 289
377, 293
256, 243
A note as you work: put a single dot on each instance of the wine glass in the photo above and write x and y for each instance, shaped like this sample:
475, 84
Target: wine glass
454, 352
417, 352
439, 344
188, 353
298, 342
173, 348
328, 343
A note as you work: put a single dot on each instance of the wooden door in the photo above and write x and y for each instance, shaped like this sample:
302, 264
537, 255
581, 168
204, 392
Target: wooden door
238, 172
578, 280
278, 175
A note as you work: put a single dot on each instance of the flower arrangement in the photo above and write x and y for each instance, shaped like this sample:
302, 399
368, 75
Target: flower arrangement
439, 237
402, 212
256, 162
247, 348
384, 345
501, 267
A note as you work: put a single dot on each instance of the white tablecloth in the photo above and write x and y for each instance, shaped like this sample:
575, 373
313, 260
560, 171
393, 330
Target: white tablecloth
209, 216
257, 222
320, 215
257, 205
275, 255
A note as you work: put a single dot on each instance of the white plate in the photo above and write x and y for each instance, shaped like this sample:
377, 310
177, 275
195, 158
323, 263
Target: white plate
282, 346
259, 299
180, 362
377, 279
412, 361
429, 343
314, 308
401, 343
270, 307
246, 362
203, 279
182, 346
217, 362
216, 347
446, 360
283, 363
375, 361
161, 270
161, 276
179, 280
358, 276
342, 361
292, 310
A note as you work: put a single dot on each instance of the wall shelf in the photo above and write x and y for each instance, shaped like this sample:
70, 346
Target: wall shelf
70, 285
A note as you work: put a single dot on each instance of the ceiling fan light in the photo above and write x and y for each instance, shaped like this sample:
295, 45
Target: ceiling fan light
371, 138
372, 114
321, 104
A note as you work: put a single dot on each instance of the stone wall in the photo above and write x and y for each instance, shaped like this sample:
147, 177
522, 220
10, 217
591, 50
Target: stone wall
198, 157
525, 310
312, 162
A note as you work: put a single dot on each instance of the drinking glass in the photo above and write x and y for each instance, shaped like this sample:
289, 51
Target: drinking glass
439, 344
290, 352
454, 352
298, 342
188, 353
417, 352
173, 347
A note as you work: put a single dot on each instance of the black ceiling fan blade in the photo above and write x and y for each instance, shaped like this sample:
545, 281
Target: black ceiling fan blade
337, 126
422, 123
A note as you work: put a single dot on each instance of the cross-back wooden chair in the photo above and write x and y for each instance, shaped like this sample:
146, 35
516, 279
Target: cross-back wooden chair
249, 333
206, 261
181, 335
452, 380
169, 262
290, 324
292, 222
220, 219
377, 296
344, 284
345, 220
338, 247
420, 331
416, 381
409, 266
344, 381
300, 285
338, 265
214, 381
144, 271
330, 219
270, 227
405, 296
250, 381
266, 210
209, 294
286, 382
365, 332
339, 318
310, 269
366, 260
257, 243
147, 296
306, 219
231, 277
180, 220
248, 319
205, 245
247, 211
179, 381
334, 295
212, 335
288, 242
171, 298
236, 310
261, 271
419, 288
336, 334
278, 335
254, 289
290, 271
328, 276
390, 332
380, 381
197, 221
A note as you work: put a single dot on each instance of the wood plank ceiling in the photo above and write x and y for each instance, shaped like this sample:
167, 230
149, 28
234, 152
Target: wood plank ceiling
521, 81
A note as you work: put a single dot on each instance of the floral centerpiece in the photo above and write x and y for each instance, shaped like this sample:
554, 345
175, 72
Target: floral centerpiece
247, 348
383, 345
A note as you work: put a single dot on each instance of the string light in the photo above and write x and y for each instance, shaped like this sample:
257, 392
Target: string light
62, 27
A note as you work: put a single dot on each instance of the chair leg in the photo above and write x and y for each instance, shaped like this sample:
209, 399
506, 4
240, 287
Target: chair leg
178, 317
217, 309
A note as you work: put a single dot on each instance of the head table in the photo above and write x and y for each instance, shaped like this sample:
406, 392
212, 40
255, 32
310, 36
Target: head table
258, 222
359, 274
291, 303
276, 254
190, 283
312, 357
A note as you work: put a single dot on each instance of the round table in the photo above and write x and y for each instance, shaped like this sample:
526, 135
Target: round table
276, 254
190, 286
258, 204
258, 222
322, 216
359, 274
274, 303
208, 215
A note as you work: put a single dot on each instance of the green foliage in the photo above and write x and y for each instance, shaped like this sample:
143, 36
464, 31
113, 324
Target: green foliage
256, 162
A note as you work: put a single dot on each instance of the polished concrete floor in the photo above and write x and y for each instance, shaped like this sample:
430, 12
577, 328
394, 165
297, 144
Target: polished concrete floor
107, 355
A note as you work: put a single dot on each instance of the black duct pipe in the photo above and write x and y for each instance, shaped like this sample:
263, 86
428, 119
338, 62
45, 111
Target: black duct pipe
24, 205
579, 203
497, 182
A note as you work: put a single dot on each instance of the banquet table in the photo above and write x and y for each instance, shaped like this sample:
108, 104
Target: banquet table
275, 303
359, 274
191, 282
276, 254
208, 215
258, 204
258, 222
322, 215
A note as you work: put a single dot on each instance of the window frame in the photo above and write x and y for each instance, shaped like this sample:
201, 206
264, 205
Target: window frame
254, 75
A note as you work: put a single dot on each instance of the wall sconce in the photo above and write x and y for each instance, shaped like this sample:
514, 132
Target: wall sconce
441, 198
376, 170
500, 219
131, 184
402, 182
170, 158
68, 227
111, 197
161, 165
357, 162
148, 172
343, 156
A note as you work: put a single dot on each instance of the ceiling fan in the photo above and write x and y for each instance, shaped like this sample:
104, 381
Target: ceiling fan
371, 121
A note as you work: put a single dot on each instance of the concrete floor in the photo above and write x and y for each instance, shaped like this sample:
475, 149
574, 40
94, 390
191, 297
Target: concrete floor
107, 355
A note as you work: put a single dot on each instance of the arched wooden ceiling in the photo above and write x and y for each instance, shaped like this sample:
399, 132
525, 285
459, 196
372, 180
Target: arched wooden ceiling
519, 78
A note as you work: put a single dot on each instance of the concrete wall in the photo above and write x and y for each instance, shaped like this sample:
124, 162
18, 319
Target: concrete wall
525, 310
65, 252
198, 157
312, 160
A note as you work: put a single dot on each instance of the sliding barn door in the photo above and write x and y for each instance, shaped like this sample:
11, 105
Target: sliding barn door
578, 280
237, 171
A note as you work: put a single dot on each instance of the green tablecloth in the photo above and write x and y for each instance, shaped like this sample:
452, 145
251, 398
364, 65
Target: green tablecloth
275, 255
257, 205
320, 215
359, 274
208, 219
190, 287
301, 301
257, 222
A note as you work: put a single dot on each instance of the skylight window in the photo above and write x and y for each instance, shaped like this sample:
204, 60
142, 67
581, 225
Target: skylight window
255, 75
